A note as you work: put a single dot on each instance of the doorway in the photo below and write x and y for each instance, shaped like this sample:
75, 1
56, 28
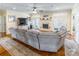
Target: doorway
2, 26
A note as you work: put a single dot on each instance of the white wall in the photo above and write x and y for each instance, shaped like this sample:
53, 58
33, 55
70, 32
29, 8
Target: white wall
62, 19
10, 24
35, 21
75, 13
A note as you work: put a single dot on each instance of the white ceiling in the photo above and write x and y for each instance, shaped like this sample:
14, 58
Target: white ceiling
40, 6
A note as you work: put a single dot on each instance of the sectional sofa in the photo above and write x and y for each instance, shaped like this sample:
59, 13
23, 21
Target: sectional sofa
44, 41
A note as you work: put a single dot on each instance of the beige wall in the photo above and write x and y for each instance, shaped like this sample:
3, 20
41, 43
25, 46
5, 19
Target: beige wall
2, 13
10, 24
2, 21
69, 22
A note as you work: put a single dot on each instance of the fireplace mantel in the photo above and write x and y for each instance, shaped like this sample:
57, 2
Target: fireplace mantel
46, 24
46, 30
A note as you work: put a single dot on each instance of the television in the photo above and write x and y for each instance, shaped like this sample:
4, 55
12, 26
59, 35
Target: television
22, 21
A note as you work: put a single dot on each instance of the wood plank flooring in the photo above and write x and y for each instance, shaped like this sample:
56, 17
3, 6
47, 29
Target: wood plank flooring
3, 52
61, 52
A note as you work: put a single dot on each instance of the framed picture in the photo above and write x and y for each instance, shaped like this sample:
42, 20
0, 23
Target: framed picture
11, 18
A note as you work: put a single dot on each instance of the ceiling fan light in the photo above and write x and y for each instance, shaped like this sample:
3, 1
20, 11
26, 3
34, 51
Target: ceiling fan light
34, 12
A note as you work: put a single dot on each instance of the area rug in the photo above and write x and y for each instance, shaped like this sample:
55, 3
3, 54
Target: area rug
15, 48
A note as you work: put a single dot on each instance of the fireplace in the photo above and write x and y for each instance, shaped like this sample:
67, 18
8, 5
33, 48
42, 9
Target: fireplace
45, 26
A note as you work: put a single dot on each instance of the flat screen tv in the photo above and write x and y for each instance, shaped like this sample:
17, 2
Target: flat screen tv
22, 21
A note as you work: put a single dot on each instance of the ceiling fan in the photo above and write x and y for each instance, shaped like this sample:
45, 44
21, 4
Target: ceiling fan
34, 10
37, 9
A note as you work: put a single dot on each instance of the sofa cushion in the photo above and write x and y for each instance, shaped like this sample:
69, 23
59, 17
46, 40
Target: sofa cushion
48, 33
34, 31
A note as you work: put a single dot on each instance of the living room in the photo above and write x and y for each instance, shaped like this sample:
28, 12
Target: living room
41, 26
50, 15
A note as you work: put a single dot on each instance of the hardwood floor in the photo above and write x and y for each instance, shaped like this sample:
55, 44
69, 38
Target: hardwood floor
3, 52
61, 52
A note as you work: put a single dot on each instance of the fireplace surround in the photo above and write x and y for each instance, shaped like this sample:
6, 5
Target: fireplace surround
45, 26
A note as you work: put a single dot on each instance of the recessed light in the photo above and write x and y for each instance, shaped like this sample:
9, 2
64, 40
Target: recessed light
14, 8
